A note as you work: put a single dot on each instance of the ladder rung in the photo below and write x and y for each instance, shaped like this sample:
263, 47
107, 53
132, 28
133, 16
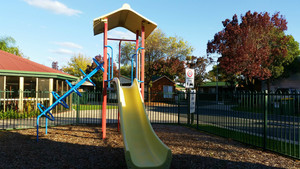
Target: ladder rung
75, 90
62, 102
42, 109
88, 77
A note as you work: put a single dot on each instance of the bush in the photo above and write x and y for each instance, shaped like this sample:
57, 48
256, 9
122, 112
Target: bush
12, 114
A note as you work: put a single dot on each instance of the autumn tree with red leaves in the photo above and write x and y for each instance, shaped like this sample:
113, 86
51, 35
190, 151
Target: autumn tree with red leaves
98, 77
170, 67
255, 49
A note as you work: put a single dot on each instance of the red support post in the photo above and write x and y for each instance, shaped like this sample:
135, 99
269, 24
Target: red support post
143, 60
138, 59
104, 79
119, 78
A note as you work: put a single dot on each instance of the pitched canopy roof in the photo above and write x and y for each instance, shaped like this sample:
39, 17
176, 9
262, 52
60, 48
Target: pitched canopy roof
124, 17
15, 65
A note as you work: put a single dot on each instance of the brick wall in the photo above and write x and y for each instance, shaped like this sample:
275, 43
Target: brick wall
158, 89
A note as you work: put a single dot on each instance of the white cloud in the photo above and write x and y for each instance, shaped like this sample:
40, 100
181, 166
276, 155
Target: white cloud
69, 45
54, 6
62, 51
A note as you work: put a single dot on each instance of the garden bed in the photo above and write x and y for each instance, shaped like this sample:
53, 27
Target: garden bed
82, 147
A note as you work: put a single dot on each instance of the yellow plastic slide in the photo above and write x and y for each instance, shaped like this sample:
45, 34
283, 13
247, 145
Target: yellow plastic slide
143, 148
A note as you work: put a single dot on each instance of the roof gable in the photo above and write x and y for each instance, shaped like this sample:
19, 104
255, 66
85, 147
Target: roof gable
158, 79
10, 62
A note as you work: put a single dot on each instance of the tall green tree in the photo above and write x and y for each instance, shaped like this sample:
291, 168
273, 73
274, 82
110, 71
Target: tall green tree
293, 59
127, 50
76, 63
160, 47
8, 44
230, 79
126, 70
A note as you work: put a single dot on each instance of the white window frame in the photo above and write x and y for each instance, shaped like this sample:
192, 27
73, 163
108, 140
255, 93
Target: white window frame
168, 90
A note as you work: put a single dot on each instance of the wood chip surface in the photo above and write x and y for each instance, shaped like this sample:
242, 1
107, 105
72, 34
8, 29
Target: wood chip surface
71, 147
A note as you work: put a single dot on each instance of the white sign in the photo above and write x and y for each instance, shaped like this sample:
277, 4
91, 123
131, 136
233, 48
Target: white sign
189, 78
192, 101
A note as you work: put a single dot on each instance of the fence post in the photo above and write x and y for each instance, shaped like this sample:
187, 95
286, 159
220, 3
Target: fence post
197, 110
178, 107
188, 107
266, 118
77, 109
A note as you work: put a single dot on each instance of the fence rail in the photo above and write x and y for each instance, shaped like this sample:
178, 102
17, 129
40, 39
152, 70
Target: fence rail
267, 120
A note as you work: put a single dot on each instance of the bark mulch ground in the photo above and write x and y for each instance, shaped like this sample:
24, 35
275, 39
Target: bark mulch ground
82, 147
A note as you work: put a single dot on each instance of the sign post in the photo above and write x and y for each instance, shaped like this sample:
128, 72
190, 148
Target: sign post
189, 84
189, 78
192, 101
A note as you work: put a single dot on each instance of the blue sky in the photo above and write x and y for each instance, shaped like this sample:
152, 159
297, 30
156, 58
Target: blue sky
56, 30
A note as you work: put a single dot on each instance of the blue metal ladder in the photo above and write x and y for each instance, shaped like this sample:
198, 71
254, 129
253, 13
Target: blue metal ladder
60, 100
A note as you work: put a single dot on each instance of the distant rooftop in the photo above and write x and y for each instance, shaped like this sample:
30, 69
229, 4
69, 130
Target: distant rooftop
211, 84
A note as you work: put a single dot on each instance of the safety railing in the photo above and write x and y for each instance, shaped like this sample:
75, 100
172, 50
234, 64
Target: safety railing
267, 120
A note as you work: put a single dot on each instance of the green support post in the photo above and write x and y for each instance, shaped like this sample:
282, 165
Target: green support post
197, 110
191, 114
178, 107
266, 120
188, 107
77, 109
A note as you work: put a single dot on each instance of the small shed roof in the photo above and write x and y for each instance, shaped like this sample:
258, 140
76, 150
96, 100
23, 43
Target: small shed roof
124, 17
159, 78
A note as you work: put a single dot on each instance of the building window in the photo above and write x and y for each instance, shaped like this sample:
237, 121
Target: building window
43, 84
168, 90
43, 91
12, 87
12, 93
29, 86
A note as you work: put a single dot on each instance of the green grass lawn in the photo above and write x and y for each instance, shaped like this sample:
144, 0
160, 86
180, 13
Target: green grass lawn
93, 107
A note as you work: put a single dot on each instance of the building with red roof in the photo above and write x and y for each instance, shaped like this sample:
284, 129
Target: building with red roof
24, 83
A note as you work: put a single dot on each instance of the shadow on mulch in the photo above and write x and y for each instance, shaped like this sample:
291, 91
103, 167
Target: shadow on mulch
22, 151
187, 161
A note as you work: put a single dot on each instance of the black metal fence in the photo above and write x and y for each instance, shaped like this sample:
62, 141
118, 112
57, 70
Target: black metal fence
267, 120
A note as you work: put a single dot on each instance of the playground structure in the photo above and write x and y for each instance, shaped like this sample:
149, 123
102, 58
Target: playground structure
143, 148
